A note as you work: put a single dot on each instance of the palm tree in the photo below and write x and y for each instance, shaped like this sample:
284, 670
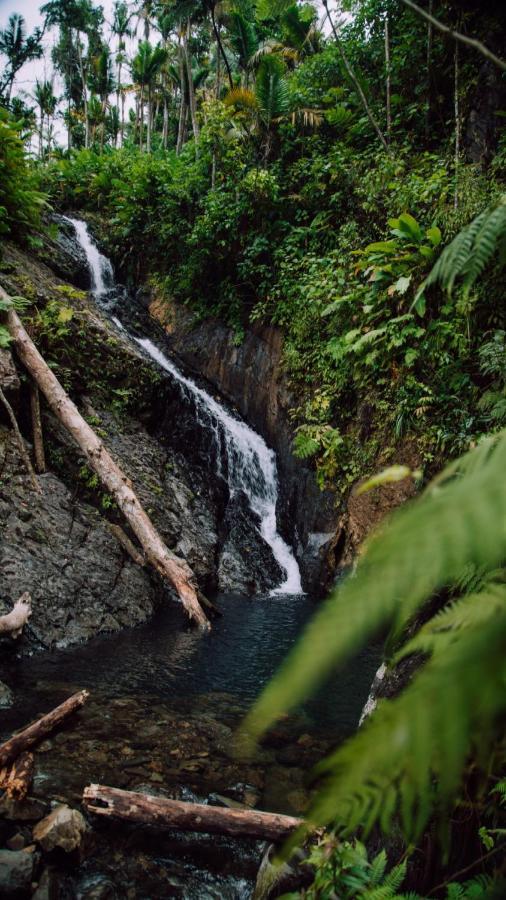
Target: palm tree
47, 102
102, 82
145, 67
18, 48
121, 28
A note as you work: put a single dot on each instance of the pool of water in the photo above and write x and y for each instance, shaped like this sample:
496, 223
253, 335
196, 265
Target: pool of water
164, 705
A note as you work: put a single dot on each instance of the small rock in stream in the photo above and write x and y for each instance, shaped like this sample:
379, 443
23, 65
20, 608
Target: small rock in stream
16, 872
64, 829
6, 696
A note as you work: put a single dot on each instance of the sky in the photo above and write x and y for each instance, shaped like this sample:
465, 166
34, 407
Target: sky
42, 68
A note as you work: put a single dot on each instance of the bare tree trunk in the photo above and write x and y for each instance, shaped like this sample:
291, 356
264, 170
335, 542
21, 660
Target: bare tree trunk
19, 439
388, 68
165, 129
175, 570
191, 90
141, 117
85, 94
220, 49
218, 72
457, 126
430, 36
36, 732
150, 119
38, 441
358, 87
182, 108
14, 622
147, 810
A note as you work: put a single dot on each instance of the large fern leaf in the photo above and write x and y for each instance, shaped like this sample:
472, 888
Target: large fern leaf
466, 257
424, 547
243, 37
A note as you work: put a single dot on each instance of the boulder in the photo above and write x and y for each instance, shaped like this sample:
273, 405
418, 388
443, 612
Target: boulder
62, 829
6, 696
16, 872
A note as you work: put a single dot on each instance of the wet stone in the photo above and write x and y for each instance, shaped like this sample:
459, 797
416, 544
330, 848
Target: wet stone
63, 829
16, 872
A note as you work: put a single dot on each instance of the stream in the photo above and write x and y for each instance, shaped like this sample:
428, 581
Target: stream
165, 701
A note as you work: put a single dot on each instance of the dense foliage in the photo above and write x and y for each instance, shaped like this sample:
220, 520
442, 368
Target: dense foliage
347, 185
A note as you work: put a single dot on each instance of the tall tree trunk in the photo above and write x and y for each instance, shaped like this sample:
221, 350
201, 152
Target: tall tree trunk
218, 72
182, 108
388, 69
457, 125
356, 83
165, 129
430, 37
85, 93
174, 570
191, 91
220, 48
150, 118
141, 116
41, 134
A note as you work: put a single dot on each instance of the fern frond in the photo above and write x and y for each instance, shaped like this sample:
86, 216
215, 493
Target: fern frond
423, 548
416, 736
471, 250
469, 611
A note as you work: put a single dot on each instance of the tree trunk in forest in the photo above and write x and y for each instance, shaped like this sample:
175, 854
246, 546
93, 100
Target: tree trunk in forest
19, 437
85, 93
150, 119
191, 90
220, 49
182, 108
175, 570
356, 83
13, 623
388, 68
38, 730
16, 780
38, 440
457, 126
430, 36
176, 814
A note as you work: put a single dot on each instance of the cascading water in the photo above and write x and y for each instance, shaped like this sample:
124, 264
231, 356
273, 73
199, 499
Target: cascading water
247, 464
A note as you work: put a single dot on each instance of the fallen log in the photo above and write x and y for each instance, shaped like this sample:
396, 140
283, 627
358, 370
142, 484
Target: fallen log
19, 439
16, 780
38, 730
170, 567
143, 809
38, 440
14, 621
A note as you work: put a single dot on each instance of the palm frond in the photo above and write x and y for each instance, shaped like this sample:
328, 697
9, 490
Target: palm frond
272, 88
241, 98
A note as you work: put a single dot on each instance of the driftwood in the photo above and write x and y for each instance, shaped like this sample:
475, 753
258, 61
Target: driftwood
38, 730
142, 809
172, 568
16, 780
14, 621
38, 440
19, 439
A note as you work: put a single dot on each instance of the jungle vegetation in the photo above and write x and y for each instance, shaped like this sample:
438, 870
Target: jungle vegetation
339, 174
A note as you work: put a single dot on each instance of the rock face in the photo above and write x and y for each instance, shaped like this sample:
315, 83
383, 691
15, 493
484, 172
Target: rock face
251, 377
62, 829
16, 871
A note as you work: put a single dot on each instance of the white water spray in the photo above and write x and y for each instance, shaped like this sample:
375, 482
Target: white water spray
102, 275
250, 466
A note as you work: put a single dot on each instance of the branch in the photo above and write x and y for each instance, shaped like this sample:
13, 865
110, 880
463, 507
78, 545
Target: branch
20, 442
457, 35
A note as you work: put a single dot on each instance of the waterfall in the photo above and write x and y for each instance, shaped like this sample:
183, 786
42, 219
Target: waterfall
244, 459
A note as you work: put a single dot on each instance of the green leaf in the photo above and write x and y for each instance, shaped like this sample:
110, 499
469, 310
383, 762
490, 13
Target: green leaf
434, 235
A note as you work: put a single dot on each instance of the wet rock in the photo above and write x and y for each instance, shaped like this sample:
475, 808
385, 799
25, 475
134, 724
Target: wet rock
68, 560
16, 872
246, 561
64, 829
16, 842
54, 886
6, 696
28, 810
64, 255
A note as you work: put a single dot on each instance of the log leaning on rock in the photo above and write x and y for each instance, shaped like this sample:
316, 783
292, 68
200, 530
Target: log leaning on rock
16, 780
14, 621
38, 730
143, 809
170, 567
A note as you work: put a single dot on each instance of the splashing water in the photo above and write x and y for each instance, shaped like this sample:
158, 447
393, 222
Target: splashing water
101, 271
244, 459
